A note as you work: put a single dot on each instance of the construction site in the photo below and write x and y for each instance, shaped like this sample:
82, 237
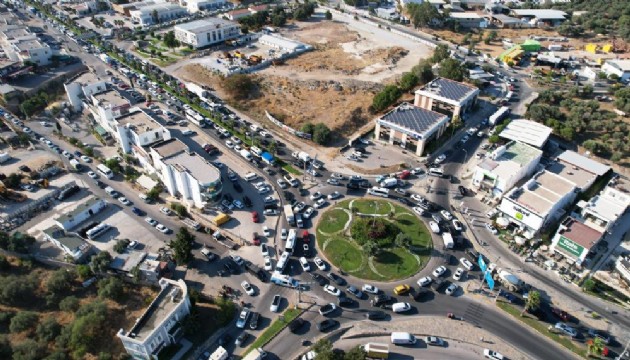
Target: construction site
333, 81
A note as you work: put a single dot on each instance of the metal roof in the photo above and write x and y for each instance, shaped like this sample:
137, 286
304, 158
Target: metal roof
548, 14
414, 119
204, 25
449, 89
583, 162
527, 131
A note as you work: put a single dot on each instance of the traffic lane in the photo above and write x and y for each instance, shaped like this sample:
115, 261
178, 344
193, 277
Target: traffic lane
452, 350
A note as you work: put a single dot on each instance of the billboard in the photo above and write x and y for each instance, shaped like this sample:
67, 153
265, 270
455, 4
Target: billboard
490, 280
482, 264
570, 246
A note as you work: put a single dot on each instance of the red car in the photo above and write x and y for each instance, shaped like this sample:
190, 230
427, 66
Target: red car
256, 239
306, 237
255, 216
404, 174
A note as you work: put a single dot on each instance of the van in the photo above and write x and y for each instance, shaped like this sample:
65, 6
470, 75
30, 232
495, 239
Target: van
110, 191
251, 176
401, 307
402, 338
389, 183
436, 172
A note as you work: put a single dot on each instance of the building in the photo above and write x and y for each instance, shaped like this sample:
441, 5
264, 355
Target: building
202, 33
527, 131
389, 13
125, 9
438, 4
603, 211
506, 22
505, 167
106, 107
137, 129
70, 243
165, 12
194, 6
574, 240
30, 50
620, 68
538, 202
469, 20
537, 17
578, 169
84, 211
283, 44
410, 127
238, 14
447, 96
82, 88
622, 265
161, 323
185, 174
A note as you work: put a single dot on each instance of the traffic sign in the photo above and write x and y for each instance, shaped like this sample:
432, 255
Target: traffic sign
490, 280
482, 264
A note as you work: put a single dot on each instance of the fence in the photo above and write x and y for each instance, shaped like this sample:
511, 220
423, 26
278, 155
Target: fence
286, 128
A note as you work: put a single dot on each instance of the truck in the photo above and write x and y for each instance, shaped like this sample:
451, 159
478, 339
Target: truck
448, 240
4, 157
376, 350
106, 58
246, 154
223, 240
288, 213
284, 280
256, 354
268, 159
192, 224
256, 271
499, 115
219, 354
220, 219
301, 155
196, 89
76, 165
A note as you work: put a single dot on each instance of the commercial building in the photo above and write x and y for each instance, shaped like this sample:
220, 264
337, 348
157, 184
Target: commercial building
206, 32
81, 88
574, 240
106, 107
447, 96
620, 68
438, 4
186, 175
238, 14
194, 6
30, 50
84, 211
161, 323
469, 20
410, 127
527, 131
137, 129
578, 169
144, 16
603, 211
505, 167
537, 17
70, 243
283, 44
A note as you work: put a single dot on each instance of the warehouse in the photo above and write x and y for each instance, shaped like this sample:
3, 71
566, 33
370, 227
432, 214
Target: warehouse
206, 32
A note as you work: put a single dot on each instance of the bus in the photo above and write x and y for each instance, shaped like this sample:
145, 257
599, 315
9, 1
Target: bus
283, 280
282, 262
377, 191
97, 231
499, 115
195, 118
105, 171
291, 238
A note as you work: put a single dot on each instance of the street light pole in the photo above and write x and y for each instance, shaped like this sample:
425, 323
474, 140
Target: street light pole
466, 155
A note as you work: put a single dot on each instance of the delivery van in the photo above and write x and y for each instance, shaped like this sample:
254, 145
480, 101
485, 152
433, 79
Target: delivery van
402, 338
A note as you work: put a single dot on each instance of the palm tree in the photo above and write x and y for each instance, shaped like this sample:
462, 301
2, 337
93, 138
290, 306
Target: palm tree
595, 346
533, 302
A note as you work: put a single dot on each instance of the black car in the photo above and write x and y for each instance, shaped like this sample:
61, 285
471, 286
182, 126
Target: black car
238, 187
381, 299
405, 201
365, 184
231, 267
345, 302
462, 190
241, 339
319, 279
228, 197
247, 201
288, 196
225, 339
352, 185
356, 292
296, 324
99, 183
375, 315
326, 325
421, 294
253, 321
336, 278
472, 255
25, 168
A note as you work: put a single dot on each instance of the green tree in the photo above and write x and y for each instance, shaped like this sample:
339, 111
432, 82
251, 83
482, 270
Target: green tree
111, 288
385, 98
323, 348
6, 351
308, 128
408, 81
4, 263
17, 289
402, 240
622, 99
595, 346
370, 248
114, 165
29, 350
121, 245
239, 86
100, 262
490, 37
69, 304
532, 303
60, 282
423, 14
23, 321
154, 193
182, 246
13, 181
279, 19
356, 353
48, 329
321, 134
452, 69
423, 71
440, 53
84, 272
170, 41
328, 15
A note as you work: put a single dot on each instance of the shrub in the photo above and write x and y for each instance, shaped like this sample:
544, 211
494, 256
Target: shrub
22, 321
378, 230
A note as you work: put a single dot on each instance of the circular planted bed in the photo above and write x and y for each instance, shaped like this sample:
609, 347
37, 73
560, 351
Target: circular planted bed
374, 239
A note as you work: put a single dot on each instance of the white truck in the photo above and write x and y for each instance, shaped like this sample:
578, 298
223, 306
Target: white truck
196, 89
219, 354
302, 156
4, 157
246, 154
288, 213
256, 354
376, 350
448, 240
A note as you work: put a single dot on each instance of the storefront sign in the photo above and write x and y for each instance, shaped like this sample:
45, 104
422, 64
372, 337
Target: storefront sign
570, 246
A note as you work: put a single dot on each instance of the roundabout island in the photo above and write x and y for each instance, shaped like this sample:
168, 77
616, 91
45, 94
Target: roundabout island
374, 239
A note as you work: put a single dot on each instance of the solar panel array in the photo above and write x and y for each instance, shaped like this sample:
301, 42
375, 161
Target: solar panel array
413, 118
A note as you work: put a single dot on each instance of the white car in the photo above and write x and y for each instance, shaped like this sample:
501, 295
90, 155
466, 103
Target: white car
237, 148
284, 234
457, 275
332, 290
313, 172
264, 250
451, 289
401, 307
268, 264
467, 264
283, 184
492, 229
86, 159
440, 159
370, 289
492, 354
417, 198
334, 195
188, 132
304, 264
434, 227
235, 140
165, 211
229, 144
150, 221
320, 203
457, 225
123, 200
321, 265
266, 231
263, 133
92, 174
275, 303
418, 210
446, 215
425, 281
308, 212
439, 271
316, 195
248, 288
163, 229
566, 329
271, 212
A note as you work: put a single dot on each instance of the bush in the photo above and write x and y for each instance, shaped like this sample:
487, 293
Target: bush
179, 209
22, 321
121, 245
321, 134
385, 98
408, 81
111, 288
60, 282
379, 230
69, 304
29, 350
48, 329
239, 86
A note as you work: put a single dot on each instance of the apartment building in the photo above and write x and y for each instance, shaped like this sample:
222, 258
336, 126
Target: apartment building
206, 32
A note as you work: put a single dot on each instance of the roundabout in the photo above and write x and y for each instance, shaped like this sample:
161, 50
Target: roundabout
374, 239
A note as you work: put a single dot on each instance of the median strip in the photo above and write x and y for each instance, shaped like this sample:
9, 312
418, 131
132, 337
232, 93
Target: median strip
274, 329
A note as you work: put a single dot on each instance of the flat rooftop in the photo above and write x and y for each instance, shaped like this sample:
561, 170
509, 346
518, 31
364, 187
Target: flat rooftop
580, 233
414, 119
581, 161
139, 121
527, 131
516, 156
544, 14
29, 44
465, 15
69, 240
448, 89
111, 97
163, 7
16, 32
169, 148
195, 165
159, 309
623, 65
580, 177
79, 209
205, 25
540, 193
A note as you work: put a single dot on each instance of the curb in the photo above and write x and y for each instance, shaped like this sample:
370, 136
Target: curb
314, 341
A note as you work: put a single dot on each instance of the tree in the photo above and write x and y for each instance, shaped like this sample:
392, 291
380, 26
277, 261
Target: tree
239, 86
356, 353
423, 71
154, 193
328, 15
452, 69
100, 262
570, 30
111, 288
179, 209
121, 245
408, 81
533, 302
272, 147
370, 247
323, 348
48, 329
422, 15
6, 352
304, 11
29, 350
69, 304
490, 37
182, 246
279, 19
595, 346
170, 41
4, 263
22, 321
321, 134
402, 240
622, 99
385, 98
60, 282
114, 165
440, 53
84, 272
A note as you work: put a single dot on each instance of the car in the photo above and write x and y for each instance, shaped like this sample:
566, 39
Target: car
451, 289
345, 301
237, 187
237, 259
137, 211
86, 159
417, 198
332, 290
466, 263
299, 206
492, 354
319, 279
266, 231
264, 250
308, 213
313, 172
316, 196
229, 144
163, 229
457, 226
123, 200
275, 303
334, 195
304, 264
337, 176
336, 278
166, 211
188, 132
418, 210
381, 299
492, 229
370, 289
248, 288
560, 314
457, 275
321, 265
492, 213
440, 159
401, 307
375, 315
327, 324
320, 203
132, 245
434, 341
151, 221
92, 174
283, 184
327, 309
67, 154
334, 182
255, 216
354, 291
296, 324
269, 200
604, 336
566, 329
253, 322
439, 271
425, 281
242, 318
446, 215
284, 233
402, 289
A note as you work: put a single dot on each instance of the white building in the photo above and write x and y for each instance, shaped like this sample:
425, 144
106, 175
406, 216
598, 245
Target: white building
106, 107
389, 13
283, 44
187, 175
622, 265
469, 19
621, 68
578, 169
574, 240
206, 32
506, 166
536, 17
160, 325
194, 6
438, 4
82, 212
165, 12
410, 127
527, 131
82, 88
603, 211
30, 50
447, 96
70, 243
137, 129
